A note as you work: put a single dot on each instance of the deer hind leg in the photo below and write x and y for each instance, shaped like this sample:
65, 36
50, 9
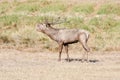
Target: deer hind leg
87, 49
66, 50
83, 39
60, 51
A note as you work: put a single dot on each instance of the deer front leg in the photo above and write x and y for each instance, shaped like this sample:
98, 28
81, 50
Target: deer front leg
66, 50
60, 51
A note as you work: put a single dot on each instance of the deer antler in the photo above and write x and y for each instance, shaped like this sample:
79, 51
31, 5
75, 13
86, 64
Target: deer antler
56, 21
46, 20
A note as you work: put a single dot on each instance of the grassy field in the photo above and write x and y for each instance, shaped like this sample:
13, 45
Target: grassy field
26, 54
19, 18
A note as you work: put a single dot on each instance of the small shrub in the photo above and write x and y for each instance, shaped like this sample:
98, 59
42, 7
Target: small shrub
5, 37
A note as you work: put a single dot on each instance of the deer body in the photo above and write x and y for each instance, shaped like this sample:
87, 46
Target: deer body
64, 37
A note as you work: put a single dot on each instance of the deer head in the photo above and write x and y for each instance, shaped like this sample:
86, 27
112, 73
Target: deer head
40, 27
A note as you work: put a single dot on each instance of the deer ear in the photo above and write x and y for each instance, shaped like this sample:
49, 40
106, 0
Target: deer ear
48, 25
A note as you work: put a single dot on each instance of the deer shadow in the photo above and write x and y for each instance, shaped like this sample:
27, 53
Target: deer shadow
80, 60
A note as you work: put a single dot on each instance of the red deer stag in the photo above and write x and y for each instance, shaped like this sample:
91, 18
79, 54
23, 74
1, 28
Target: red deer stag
64, 37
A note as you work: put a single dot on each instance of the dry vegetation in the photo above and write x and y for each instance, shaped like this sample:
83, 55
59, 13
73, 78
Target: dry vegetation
19, 65
101, 18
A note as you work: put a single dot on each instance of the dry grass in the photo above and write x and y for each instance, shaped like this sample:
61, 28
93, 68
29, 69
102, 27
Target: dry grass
101, 18
19, 65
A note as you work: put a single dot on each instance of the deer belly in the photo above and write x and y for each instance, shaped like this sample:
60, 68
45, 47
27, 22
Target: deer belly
69, 39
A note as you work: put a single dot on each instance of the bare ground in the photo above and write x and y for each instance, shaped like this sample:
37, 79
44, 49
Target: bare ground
19, 65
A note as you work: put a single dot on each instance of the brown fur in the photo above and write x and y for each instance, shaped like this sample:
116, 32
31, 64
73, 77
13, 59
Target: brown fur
64, 37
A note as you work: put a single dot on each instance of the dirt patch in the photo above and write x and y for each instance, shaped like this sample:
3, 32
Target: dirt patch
18, 65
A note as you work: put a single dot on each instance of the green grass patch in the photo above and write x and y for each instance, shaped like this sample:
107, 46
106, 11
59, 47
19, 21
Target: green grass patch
30, 20
41, 6
8, 20
77, 22
104, 23
109, 9
20, 20
27, 7
53, 8
84, 8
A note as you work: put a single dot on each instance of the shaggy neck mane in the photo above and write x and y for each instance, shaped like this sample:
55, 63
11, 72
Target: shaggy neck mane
51, 32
